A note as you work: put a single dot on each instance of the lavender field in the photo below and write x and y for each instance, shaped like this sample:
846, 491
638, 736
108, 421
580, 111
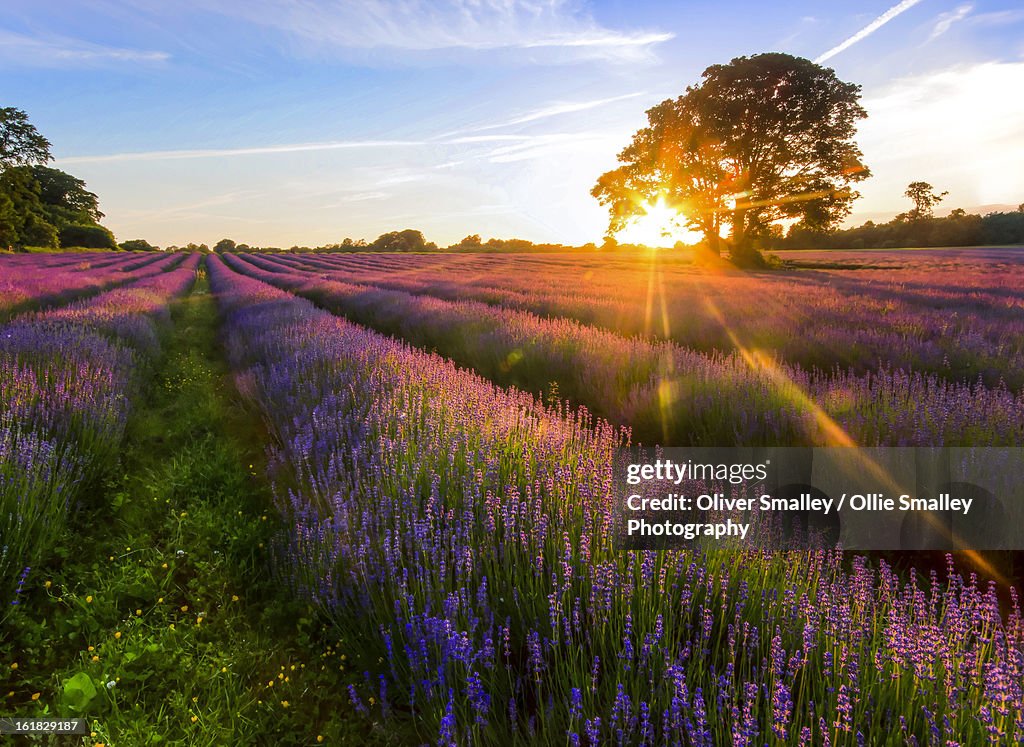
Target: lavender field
439, 431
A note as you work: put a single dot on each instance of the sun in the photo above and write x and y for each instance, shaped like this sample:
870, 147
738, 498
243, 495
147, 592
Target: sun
659, 226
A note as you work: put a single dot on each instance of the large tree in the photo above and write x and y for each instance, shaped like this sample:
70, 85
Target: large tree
759, 140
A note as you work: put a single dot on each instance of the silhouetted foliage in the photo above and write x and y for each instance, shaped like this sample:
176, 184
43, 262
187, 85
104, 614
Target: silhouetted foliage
91, 237
759, 140
924, 197
959, 228
474, 244
225, 245
346, 245
139, 245
409, 240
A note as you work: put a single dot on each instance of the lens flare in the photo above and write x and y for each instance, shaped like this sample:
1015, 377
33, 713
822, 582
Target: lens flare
660, 226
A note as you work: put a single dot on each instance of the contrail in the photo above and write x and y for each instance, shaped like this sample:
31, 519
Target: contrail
869, 29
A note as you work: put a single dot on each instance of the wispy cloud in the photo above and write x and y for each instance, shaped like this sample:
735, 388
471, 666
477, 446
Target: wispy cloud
868, 30
470, 139
361, 197
513, 145
591, 38
955, 128
946, 20
23, 50
177, 155
556, 109
171, 213
542, 146
998, 18
431, 25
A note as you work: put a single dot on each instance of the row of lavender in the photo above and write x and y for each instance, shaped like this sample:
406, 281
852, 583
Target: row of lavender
957, 317
34, 281
463, 534
666, 393
67, 377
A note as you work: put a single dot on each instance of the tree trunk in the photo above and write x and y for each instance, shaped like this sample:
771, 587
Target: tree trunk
743, 251
713, 242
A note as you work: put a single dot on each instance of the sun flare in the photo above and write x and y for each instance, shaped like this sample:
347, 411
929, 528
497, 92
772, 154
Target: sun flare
659, 226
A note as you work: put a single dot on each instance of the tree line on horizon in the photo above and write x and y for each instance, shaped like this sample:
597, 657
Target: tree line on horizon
918, 227
407, 240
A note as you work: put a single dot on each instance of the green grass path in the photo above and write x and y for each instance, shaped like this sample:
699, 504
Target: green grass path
159, 620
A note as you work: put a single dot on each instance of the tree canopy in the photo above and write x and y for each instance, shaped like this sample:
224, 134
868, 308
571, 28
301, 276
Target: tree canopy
23, 218
66, 196
409, 240
758, 140
20, 142
138, 245
92, 237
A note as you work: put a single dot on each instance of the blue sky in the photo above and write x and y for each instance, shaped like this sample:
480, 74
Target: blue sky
306, 121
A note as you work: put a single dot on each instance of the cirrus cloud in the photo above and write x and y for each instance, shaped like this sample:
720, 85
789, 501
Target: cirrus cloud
24, 50
435, 25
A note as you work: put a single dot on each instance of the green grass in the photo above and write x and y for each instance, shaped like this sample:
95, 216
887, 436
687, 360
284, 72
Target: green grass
159, 619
